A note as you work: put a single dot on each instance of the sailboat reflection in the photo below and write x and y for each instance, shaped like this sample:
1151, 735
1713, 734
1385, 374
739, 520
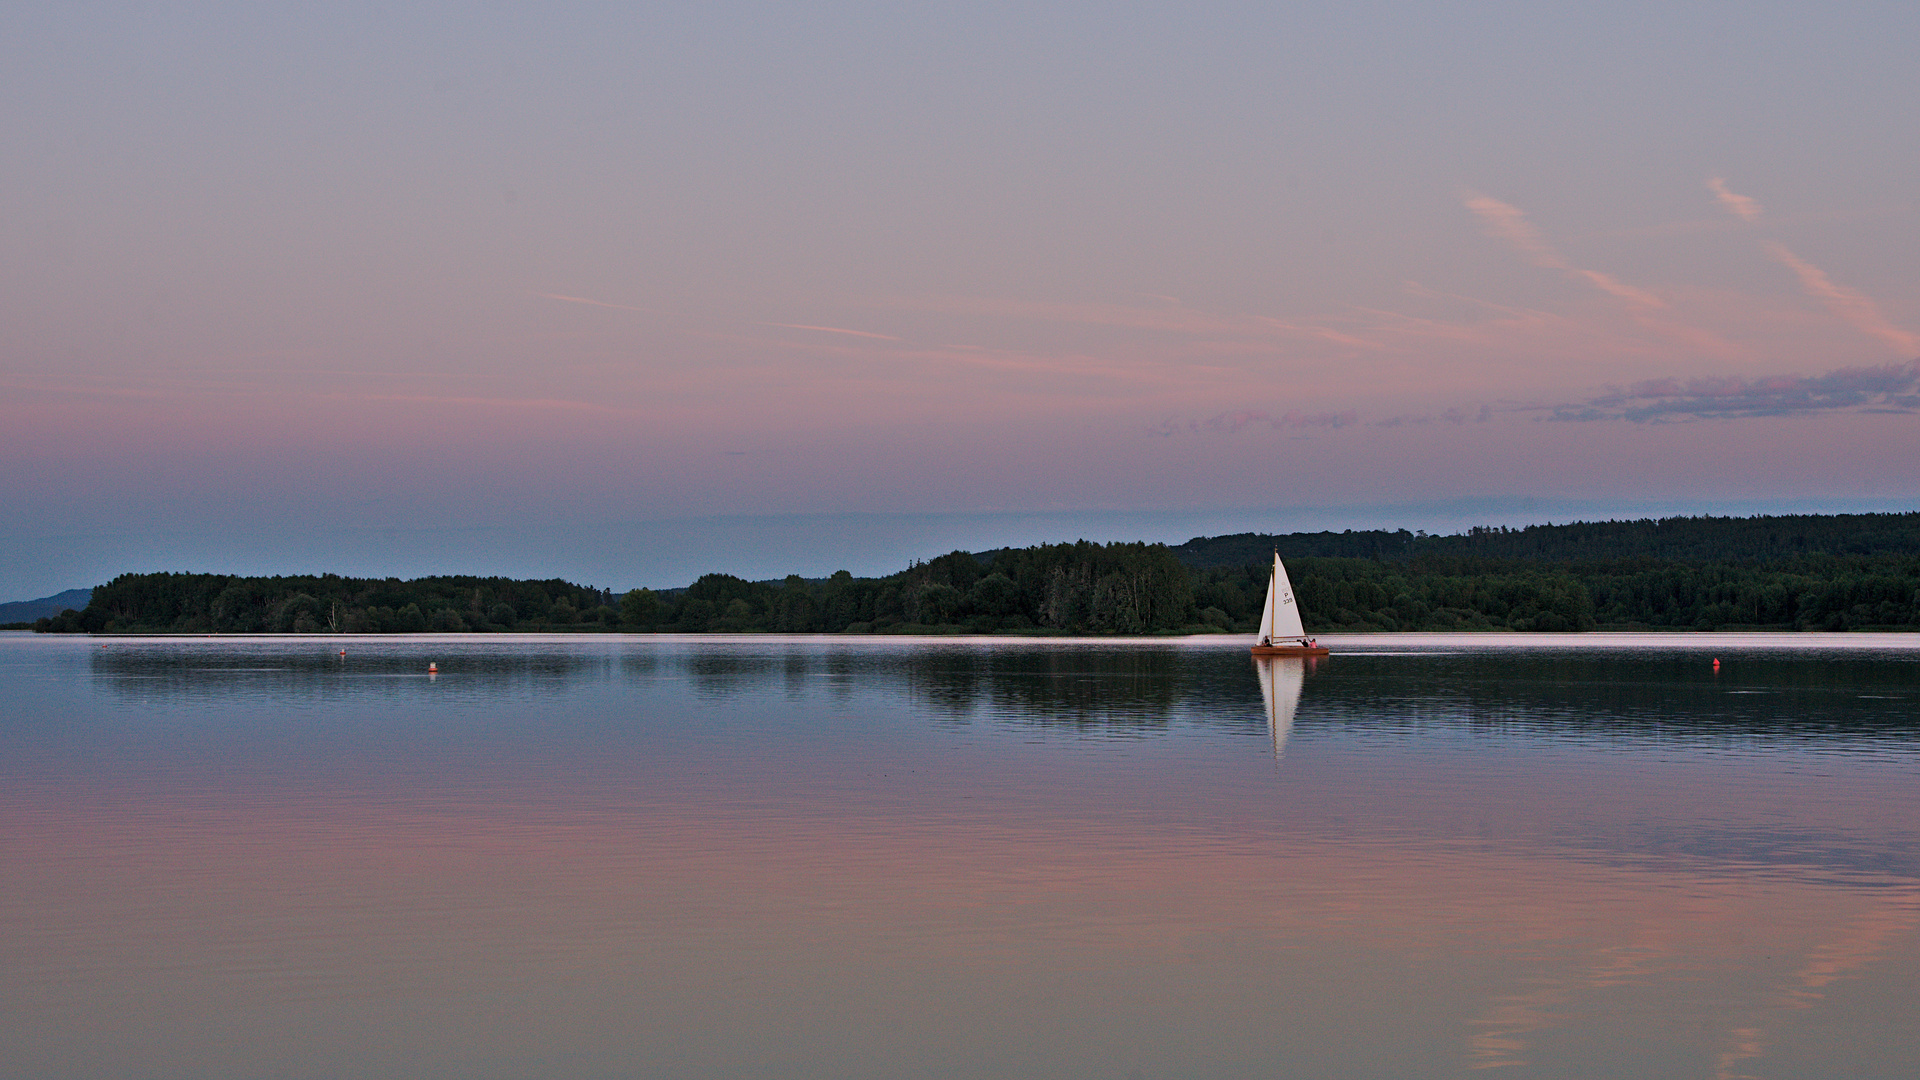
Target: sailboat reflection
1280, 681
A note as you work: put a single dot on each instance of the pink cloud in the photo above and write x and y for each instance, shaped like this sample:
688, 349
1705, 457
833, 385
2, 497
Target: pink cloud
1847, 305
1234, 421
1461, 414
1608, 284
1741, 206
1504, 221
591, 302
1169, 317
832, 330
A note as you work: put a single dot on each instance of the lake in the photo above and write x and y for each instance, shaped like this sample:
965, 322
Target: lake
826, 857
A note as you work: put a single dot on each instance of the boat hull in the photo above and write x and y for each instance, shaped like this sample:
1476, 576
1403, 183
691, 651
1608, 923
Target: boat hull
1290, 650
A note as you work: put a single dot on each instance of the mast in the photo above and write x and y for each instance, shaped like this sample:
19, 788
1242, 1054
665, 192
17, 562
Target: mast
1271, 608
1280, 617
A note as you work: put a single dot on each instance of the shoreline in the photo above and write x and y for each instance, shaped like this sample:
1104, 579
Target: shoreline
1342, 644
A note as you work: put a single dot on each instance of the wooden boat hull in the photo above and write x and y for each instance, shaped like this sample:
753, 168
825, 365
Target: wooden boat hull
1290, 650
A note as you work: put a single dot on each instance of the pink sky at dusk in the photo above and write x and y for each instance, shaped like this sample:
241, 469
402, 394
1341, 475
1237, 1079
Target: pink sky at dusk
356, 269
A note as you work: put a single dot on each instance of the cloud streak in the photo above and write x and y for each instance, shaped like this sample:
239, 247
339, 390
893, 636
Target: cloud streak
1503, 221
832, 330
1741, 206
1170, 317
1853, 308
1234, 421
1846, 305
1240, 419
590, 302
1890, 388
1463, 414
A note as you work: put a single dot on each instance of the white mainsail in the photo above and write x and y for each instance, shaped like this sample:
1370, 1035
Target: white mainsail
1280, 618
1280, 683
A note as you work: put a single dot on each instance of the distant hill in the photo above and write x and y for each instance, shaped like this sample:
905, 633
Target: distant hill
1245, 549
29, 610
1798, 572
1677, 539
1052, 588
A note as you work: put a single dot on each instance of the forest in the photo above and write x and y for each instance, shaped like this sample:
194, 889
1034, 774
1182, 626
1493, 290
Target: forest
1675, 539
1804, 572
1083, 587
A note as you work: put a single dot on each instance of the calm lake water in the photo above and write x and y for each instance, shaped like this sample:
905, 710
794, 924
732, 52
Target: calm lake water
768, 857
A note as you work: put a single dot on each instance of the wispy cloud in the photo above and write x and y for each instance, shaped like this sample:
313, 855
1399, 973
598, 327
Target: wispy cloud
1853, 308
1504, 221
1741, 206
1464, 414
1608, 284
1169, 316
1234, 421
832, 330
1892, 388
1507, 222
1848, 306
1239, 419
589, 301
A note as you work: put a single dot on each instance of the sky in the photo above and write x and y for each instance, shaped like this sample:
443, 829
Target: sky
627, 293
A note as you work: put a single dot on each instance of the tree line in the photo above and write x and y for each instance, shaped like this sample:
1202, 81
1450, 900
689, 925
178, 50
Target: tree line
1119, 588
1676, 539
1843, 572
1811, 592
331, 604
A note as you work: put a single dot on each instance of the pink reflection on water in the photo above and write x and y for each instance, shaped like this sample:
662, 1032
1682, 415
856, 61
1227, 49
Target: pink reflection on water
678, 926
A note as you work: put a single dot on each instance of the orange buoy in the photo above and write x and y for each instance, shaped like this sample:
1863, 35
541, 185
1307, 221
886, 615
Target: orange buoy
432, 668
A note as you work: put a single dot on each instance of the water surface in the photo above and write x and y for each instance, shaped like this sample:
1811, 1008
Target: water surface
765, 857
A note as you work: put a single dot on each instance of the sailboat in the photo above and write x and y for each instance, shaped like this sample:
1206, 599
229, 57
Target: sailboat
1280, 682
1280, 631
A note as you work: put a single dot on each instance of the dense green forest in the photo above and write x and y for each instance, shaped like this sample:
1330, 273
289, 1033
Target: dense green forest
1081, 587
1791, 572
1677, 539
329, 604
1852, 572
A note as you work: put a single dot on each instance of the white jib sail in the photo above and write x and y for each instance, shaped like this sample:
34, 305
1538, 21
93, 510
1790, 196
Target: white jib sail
1281, 620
